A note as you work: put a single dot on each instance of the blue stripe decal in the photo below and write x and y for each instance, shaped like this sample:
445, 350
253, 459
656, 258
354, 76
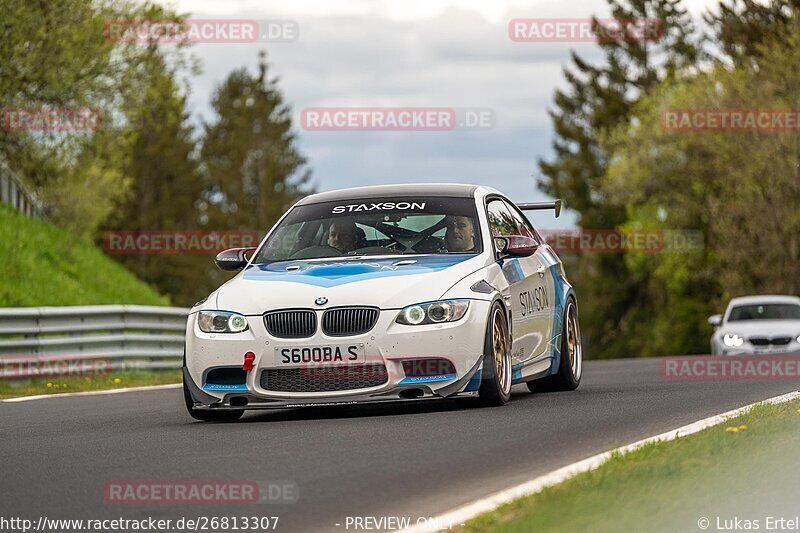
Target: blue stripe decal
558, 319
342, 271
217, 386
516, 372
512, 270
428, 379
475, 381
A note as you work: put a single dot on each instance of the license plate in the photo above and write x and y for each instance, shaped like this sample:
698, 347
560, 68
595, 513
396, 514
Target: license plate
335, 354
773, 351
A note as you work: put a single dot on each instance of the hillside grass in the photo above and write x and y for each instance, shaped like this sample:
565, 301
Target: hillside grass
42, 265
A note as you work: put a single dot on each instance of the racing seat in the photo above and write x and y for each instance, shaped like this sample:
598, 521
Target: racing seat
360, 238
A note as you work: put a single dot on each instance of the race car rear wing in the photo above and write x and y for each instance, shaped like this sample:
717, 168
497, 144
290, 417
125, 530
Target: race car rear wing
534, 206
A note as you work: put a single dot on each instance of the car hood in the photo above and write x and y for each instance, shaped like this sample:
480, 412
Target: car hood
763, 328
387, 283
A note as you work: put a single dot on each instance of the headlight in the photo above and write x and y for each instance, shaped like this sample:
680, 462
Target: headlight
732, 339
221, 322
433, 312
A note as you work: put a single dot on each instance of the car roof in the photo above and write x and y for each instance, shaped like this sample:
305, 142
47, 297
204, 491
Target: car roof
765, 299
457, 190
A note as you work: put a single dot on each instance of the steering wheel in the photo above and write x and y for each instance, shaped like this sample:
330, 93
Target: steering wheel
316, 251
408, 238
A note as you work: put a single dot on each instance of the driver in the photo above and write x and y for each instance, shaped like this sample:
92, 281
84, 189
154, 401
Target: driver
342, 235
460, 234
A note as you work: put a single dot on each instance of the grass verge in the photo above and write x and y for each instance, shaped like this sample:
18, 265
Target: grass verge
43, 265
113, 380
743, 469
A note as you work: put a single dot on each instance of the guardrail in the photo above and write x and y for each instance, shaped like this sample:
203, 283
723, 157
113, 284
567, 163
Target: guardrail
130, 336
13, 192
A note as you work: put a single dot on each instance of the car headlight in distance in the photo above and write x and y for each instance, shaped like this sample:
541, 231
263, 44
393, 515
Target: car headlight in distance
221, 322
433, 312
732, 339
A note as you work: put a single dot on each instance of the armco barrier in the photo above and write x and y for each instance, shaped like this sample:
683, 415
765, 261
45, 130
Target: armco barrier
129, 335
13, 192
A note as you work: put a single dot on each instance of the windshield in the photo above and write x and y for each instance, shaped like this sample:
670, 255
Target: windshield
375, 226
765, 312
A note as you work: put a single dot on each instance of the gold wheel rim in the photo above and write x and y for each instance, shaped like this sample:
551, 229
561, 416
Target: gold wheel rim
573, 342
501, 352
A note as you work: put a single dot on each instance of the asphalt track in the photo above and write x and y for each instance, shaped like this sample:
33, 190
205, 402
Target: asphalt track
408, 460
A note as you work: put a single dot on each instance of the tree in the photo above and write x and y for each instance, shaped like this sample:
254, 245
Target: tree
56, 55
741, 187
167, 184
254, 169
742, 26
599, 99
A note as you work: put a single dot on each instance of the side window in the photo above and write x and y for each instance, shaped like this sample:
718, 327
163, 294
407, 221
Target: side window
523, 226
500, 220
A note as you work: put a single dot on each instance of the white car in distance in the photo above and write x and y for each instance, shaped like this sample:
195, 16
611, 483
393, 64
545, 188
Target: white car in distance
758, 325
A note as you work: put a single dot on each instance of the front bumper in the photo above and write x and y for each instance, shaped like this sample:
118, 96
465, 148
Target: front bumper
388, 343
791, 349
246, 400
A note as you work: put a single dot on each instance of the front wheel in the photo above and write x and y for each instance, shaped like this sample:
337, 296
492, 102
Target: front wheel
495, 388
227, 415
570, 366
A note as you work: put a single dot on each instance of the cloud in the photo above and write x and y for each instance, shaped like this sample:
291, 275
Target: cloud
408, 53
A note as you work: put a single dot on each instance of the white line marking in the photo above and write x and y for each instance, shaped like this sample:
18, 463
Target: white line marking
92, 393
466, 512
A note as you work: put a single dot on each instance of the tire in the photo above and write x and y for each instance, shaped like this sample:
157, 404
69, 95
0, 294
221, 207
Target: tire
226, 415
570, 366
495, 388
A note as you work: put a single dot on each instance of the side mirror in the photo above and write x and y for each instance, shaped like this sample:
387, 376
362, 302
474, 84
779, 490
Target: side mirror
516, 245
715, 320
233, 259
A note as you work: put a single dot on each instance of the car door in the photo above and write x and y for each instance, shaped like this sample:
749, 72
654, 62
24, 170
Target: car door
544, 304
528, 299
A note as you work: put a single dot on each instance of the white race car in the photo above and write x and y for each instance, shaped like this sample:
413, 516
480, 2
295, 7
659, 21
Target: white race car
758, 325
386, 293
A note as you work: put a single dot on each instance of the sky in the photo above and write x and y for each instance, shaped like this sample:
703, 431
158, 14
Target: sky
410, 53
